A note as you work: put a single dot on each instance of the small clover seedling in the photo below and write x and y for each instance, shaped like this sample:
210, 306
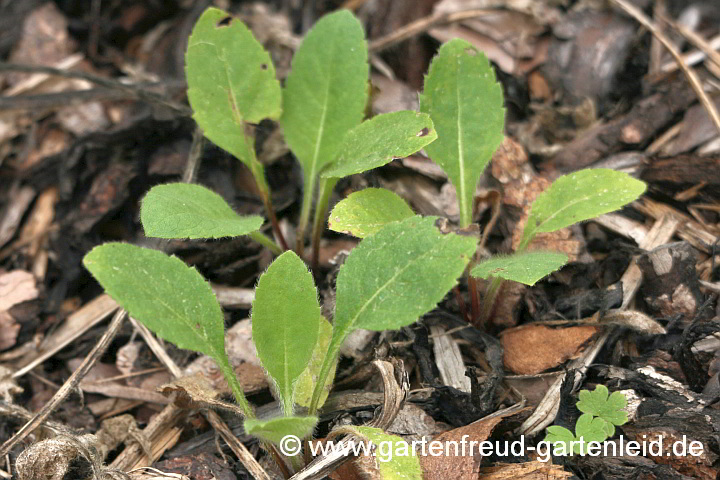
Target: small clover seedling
601, 413
232, 87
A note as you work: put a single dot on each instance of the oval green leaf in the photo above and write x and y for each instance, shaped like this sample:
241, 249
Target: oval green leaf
170, 298
580, 196
326, 92
183, 210
523, 267
275, 429
365, 212
399, 462
381, 139
466, 106
306, 383
393, 277
285, 322
231, 81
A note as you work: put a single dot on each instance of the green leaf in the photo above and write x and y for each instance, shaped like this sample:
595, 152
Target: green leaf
523, 267
275, 429
609, 408
400, 273
170, 298
367, 211
285, 322
394, 457
466, 106
326, 92
560, 435
231, 81
589, 429
580, 196
306, 383
381, 139
183, 210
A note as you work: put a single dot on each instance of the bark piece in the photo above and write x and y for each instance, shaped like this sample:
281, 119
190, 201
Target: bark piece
670, 284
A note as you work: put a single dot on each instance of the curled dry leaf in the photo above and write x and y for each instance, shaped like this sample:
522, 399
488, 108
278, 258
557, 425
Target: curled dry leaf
634, 320
197, 392
535, 348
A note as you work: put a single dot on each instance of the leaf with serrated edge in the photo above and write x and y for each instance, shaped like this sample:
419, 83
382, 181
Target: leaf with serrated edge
563, 436
183, 210
306, 382
466, 106
589, 429
609, 408
381, 139
275, 429
367, 211
326, 91
398, 274
580, 196
170, 298
285, 322
523, 267
231, 81
399, 462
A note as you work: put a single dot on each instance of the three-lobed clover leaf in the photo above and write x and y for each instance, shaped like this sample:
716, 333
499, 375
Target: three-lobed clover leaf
610, 408
587, 429
381, 139
523, 267
231, 82
170, 298
184, 210
466, 106
285, 323
367, 211
275, 429
580, 196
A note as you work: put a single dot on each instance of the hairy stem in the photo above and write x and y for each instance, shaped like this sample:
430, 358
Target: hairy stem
258, 173
267, 242
326, 187
474, 295
237, 390
490, 297
308, 191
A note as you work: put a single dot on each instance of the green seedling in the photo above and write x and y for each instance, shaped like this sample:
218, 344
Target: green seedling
464, 102
601, 413
232, 87
388, 281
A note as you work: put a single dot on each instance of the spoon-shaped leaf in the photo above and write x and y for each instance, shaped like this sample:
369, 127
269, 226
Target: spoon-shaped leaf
367, 211
231, 81
379, 140
523, 267
580, 196
183, 210
170, 298
466, 106
285, 322
325, 94
393, 277
275, 429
